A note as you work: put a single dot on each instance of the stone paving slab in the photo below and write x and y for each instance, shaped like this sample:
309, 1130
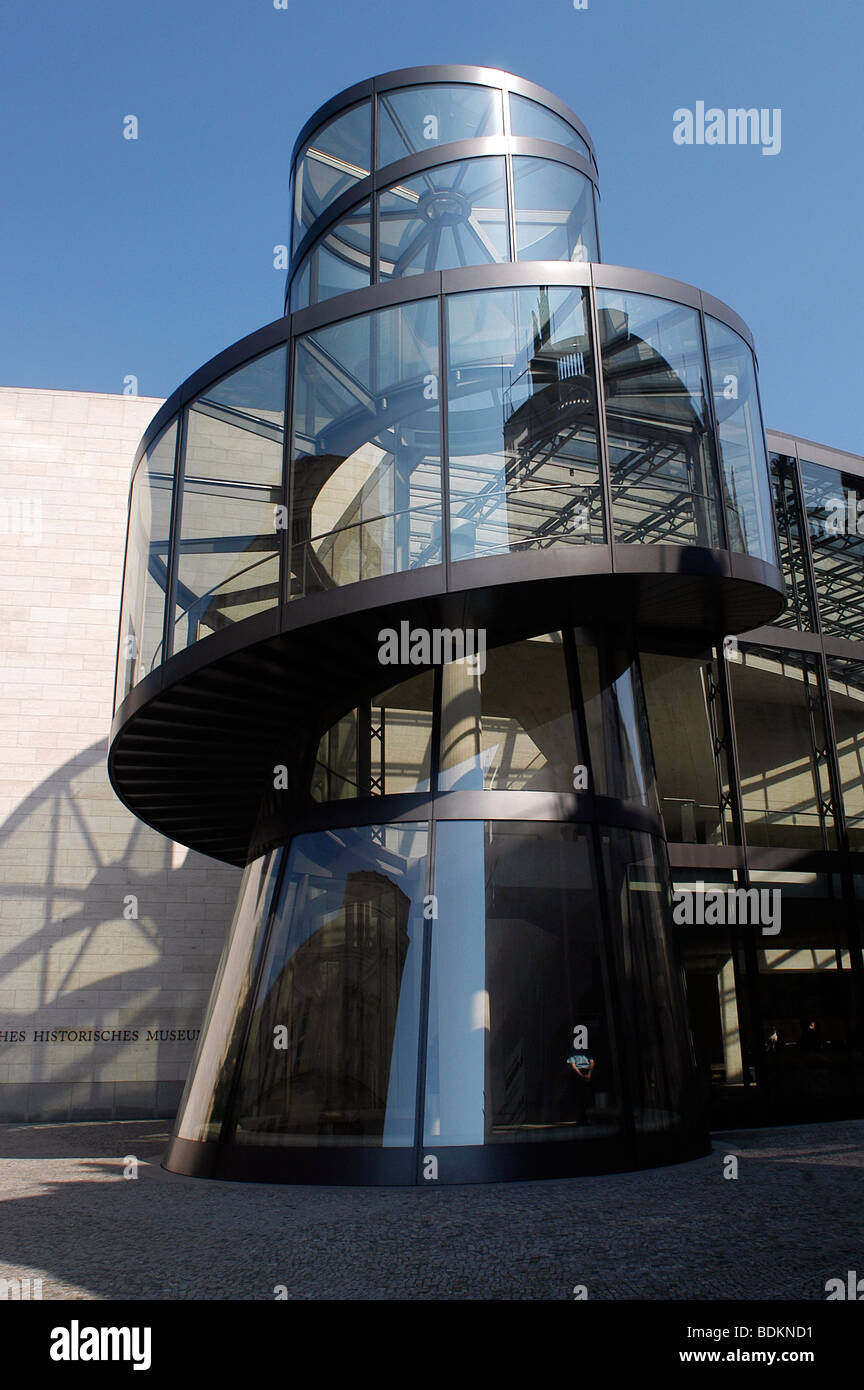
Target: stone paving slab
790, 1221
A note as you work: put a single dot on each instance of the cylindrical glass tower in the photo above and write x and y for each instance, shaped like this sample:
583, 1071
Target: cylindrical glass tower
390, 563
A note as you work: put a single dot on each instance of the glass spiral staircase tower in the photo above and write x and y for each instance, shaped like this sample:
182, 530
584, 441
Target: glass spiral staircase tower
455, 869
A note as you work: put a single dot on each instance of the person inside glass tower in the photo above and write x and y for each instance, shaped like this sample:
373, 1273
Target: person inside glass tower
582, 1064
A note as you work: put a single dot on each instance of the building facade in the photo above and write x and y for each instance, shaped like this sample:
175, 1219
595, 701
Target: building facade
456, 612
109, 933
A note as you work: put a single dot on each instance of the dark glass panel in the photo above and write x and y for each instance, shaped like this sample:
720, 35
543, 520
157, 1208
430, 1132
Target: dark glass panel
835, 509
332, 1053
530, 119
366, 487
663, 471
793, 546
741, 443
686, 722
450, 216
146, 578
337, 157
517, 968
204, 1104
649, 983
421, 118
228, 548
781, 748
380, 749
846, 687
524, 470
554, 212
617, 724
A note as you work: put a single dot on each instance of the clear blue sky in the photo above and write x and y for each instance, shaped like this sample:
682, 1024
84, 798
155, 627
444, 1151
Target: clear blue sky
148, 257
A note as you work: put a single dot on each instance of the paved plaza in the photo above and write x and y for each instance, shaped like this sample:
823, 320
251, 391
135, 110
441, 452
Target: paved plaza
790, 1221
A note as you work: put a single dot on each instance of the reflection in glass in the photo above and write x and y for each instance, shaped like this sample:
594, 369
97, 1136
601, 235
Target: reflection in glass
338, 263
685, 717
146, 578
450, 216
419, 118
846, 687
664, 484
649, 983
554, 212
835, 509
617, 725
382, 748
366, 486
531, 120
790, 531
511, 726
228, 560
741, 443
341, 978
337, 157
517, 967
524, 470
780, 730
204, 1104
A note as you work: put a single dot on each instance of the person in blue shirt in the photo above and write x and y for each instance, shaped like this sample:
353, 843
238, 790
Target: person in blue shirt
582, 1063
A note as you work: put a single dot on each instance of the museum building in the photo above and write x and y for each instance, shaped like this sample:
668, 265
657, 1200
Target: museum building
455, 954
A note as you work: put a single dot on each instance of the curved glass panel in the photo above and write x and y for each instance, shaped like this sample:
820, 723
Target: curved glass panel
203, 1107
446, 217
834, 502
146, 579
554, 212
341, 980
228, 544
507, 720
780, 730
522, 427
340, 262
517, 968
418, 118
741, 443
381, 748
617, 724
337, 156
530, 119
367, 471
663, 474
649, 983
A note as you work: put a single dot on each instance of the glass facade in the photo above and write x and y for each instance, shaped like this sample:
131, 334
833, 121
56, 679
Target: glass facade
455, 953
366, 461
661, 453
228, 544
145, 582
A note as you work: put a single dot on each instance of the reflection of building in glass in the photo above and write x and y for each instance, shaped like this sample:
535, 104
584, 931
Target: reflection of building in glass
455, 874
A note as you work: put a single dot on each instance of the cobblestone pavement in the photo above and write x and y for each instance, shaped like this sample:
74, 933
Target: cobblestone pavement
791, 1220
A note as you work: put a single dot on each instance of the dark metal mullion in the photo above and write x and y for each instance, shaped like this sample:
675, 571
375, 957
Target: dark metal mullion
717, 451
287, 477
853, 934
444, 437
174, 532
425, 978
603, 459
751, 992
